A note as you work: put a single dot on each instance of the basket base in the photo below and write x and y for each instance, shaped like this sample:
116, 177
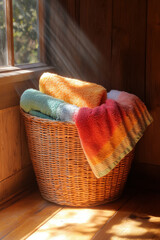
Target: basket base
84, 205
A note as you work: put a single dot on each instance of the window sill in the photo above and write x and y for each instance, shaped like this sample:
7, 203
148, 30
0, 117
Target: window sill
22, 73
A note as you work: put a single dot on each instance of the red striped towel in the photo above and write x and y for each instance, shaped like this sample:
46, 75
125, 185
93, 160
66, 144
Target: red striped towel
110, 131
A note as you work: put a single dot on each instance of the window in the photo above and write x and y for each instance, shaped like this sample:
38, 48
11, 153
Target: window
3, 40
20, 32
21, 41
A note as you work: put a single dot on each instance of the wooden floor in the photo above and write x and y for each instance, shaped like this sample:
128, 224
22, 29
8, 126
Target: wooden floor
134, 216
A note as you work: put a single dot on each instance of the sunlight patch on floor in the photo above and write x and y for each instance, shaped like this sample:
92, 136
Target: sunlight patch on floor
139, 228
127, 227
70, 223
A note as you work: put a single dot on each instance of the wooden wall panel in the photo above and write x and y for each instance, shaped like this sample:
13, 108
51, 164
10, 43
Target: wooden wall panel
96, 24
16, 171
76, 50
8, 96
69, 7
128, 46
61, 36
17, 183
10, 142
153, 55
10, 93
100, 41
149, 147
15, 161
25, 157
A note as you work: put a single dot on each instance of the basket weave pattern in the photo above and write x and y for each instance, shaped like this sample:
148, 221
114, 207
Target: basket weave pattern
61, 168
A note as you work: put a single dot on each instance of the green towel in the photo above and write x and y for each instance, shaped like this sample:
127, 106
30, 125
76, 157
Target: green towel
33, 99
41, 105
40, 115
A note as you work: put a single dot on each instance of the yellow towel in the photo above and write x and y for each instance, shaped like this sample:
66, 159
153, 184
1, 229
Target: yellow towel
73, 91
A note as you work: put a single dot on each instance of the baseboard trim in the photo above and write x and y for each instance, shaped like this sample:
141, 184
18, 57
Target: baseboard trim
16, 184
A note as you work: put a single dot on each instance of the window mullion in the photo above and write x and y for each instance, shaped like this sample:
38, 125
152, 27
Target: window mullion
9, 23
41, 17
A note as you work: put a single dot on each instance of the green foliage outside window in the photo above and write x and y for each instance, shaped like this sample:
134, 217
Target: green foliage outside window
25, 27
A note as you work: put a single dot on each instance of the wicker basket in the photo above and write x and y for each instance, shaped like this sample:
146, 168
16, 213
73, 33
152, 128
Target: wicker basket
62, 171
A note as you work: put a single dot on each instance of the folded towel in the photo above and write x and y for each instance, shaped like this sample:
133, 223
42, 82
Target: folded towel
110, 131
40, 115
40, 104
73, 91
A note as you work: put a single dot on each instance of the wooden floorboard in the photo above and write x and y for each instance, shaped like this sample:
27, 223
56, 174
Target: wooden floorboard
77, 223
25, 216
139, 218
133, 216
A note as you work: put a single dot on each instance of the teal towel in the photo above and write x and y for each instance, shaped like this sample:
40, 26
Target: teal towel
37, 103
40, 115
